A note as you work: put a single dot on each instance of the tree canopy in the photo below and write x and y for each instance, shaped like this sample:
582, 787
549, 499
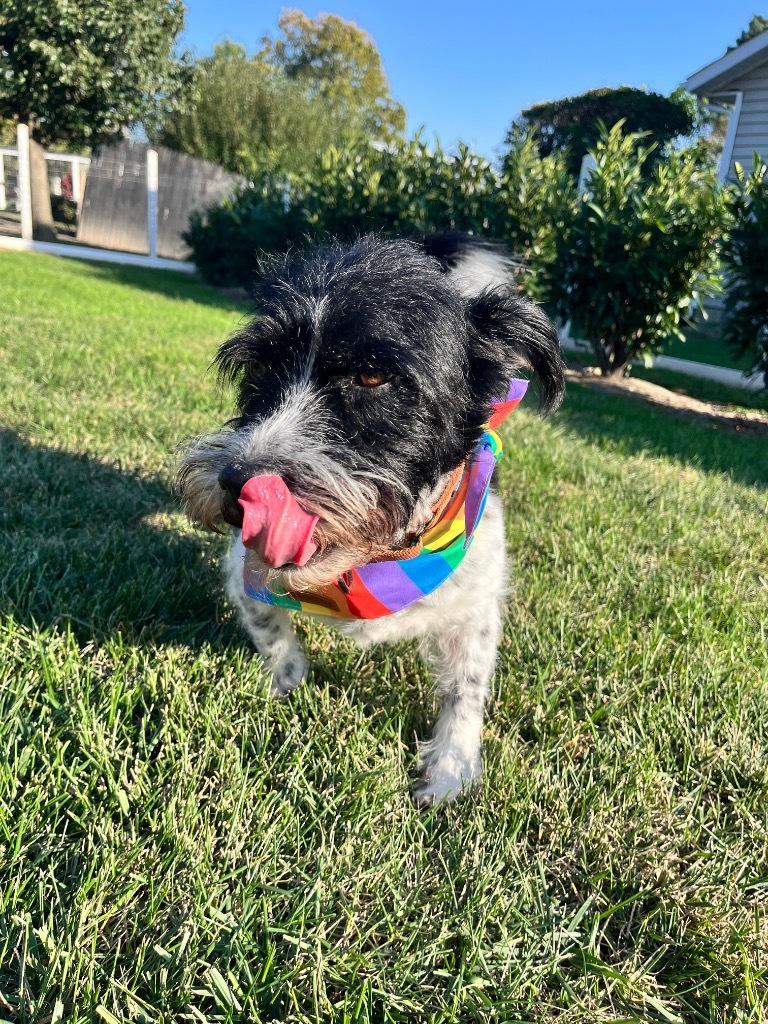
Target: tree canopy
318, 83
756, 27
338, 61
246, 114
572, 124
82, 70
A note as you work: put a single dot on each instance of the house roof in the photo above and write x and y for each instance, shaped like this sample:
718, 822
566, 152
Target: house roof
717, 76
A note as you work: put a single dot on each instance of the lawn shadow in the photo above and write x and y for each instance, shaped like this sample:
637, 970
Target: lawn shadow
172, 284
89, 546
101, 551
624, 424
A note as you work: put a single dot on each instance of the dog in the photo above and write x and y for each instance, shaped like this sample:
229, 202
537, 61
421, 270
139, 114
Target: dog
354, 479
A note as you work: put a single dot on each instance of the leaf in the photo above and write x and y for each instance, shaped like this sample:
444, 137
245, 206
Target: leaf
105, 1015
222, 990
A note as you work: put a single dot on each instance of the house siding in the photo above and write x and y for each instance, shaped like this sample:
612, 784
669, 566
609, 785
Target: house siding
752, 131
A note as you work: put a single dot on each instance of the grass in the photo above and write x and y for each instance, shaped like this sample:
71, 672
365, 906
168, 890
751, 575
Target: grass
704, 390
704, 344
176, 847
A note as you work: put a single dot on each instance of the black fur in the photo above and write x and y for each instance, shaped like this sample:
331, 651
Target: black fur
388, 308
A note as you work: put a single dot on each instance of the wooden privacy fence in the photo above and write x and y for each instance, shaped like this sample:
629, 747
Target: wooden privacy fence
118, 193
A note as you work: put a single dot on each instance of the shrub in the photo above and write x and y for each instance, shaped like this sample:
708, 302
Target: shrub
640, 252
536, 201
226, 239
746, 264
571, 125
405, 189
64, 210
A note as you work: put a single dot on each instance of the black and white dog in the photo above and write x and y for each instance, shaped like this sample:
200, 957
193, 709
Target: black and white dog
366, 379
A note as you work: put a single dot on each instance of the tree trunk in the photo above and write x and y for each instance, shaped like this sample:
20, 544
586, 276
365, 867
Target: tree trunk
614, 357
42, 217
603, 360
617, 369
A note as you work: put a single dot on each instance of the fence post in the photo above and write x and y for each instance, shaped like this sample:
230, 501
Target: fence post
25, 182
152, 182
75, 172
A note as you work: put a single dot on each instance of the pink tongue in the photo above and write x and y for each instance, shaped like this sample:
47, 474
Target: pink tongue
274, 523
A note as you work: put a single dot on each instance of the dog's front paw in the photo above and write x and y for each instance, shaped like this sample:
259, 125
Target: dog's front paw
445, 779
288, 674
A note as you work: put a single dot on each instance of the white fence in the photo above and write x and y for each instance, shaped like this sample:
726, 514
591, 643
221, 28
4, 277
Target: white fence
60, 167
21, 202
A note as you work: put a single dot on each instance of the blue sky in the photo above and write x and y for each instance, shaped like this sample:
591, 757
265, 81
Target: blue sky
465, 70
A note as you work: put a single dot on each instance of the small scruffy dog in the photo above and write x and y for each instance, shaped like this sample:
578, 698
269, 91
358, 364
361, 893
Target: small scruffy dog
355, 476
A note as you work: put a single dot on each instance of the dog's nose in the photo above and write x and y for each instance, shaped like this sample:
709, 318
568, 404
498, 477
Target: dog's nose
231, 481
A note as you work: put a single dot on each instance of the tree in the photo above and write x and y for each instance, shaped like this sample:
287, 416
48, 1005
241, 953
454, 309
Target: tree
317, 84
81, 72
746, 265
571, 124
246, 115
640, 252
756, 27
339, 62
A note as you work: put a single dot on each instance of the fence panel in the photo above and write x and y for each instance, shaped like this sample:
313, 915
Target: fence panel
114, 209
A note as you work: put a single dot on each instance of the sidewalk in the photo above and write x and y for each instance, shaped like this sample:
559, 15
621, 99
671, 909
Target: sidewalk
733, 378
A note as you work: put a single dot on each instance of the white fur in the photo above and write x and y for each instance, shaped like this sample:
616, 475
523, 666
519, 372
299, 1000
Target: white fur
458, 626
479, 269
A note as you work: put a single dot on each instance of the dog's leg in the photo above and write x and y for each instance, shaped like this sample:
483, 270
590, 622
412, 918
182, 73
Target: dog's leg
462, 653
463, 658
270, 630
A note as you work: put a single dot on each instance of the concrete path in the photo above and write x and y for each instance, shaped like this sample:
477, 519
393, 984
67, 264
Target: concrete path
85, 252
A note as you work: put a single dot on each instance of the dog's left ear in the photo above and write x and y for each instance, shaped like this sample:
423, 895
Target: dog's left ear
509, 334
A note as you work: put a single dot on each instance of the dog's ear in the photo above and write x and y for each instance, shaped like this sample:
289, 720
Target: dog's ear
509, 334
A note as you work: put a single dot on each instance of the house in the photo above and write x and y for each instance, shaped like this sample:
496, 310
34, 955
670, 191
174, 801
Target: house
738, 82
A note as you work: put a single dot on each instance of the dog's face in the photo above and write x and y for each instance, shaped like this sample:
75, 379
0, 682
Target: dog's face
363, 379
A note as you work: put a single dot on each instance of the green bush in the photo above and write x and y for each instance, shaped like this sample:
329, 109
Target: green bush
405, 190
624, 263
640, 251
746, 265
226, 239
536, 202
64, 210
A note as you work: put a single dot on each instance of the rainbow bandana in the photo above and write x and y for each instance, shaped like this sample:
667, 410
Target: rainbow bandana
383, 587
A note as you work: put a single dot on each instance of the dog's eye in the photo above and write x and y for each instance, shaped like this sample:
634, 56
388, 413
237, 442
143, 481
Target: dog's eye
372, 380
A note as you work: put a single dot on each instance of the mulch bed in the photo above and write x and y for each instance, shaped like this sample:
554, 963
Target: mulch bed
747, 420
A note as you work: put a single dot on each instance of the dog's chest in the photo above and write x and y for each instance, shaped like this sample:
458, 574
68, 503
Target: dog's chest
481, 573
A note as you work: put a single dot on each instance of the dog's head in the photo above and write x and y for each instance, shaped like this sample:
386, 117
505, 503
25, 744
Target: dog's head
364, 379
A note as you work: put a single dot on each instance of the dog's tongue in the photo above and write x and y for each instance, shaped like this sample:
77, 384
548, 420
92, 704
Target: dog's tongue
274, 523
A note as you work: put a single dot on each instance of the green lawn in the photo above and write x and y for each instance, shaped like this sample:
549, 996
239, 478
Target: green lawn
176, 847
704, 344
